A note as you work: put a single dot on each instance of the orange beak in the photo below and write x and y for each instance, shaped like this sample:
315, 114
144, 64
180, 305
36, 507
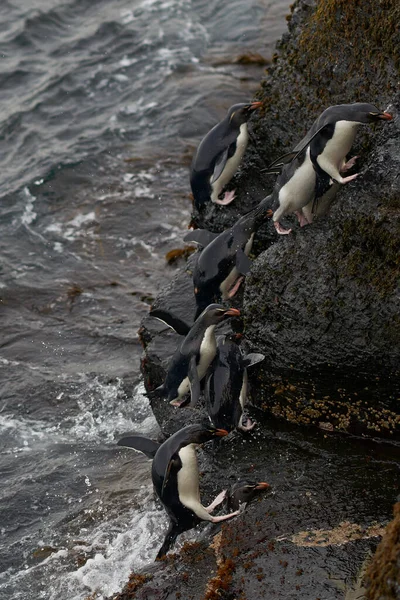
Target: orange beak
255, 105
262, 485
269, 213
232, 312
221, 432
386, 116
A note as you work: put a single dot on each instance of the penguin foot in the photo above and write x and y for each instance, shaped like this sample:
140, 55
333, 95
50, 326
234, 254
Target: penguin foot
225, 517
280, 229
302, 218
343, 180
350, 163
227, 199
235, 288
249, 425
220, 498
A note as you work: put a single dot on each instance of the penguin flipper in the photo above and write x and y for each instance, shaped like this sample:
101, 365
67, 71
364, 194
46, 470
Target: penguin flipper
202, 237
278, 163
243, 262
140, 443
220, 164
175, 462
285, 159
252, 359
175, 323
194, 382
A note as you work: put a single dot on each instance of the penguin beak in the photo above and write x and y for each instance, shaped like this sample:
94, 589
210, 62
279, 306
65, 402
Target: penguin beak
221, 432
232, 312
255, 105
262, 485
383, 116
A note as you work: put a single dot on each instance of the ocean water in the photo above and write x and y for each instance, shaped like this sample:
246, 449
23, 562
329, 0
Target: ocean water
102, 105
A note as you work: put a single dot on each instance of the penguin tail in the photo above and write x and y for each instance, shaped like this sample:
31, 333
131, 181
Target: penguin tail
169, 541
158, 392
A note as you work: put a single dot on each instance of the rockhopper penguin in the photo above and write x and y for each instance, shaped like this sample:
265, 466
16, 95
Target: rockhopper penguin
175, 476
219, 154
225, 389
243, 492
192, 358
316, 164
224, 261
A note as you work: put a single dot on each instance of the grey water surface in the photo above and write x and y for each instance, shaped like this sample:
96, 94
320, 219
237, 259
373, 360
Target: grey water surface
102, 104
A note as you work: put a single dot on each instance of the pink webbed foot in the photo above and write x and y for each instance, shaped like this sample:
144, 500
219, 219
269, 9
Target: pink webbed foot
350, 163
235, 288
281, 230
227, 199
302, 219
225, 517
248, 426
343, 180
220, 498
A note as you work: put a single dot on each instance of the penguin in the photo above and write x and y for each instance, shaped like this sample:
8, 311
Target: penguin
175, 476
243, 492
219, 154
192, 358
225, 389
314, 169
224, 261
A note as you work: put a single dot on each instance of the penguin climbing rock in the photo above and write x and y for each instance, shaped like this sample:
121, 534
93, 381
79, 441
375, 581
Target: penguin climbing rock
175, 476
193, 357
243, 492
225, 389
219, 154
318, 161
224, 261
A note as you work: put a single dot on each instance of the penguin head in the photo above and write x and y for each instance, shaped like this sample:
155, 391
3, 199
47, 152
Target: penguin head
244, 491
240, 113
199, 433
215, 313
359, 112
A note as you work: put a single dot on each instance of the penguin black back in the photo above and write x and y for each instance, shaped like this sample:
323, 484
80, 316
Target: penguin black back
225, 258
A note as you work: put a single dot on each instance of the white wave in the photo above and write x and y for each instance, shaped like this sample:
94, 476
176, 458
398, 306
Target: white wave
105, 411
28, 215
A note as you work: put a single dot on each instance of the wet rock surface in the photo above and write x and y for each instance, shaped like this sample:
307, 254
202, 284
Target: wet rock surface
309, 536
322, 305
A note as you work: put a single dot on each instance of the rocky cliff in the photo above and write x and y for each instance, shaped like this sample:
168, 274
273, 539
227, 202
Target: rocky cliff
323, 306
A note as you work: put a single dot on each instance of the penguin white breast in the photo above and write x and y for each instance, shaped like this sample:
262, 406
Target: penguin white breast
188, 482
188, 475
232, 163
299, 190
243, 391
339, 145
208, 350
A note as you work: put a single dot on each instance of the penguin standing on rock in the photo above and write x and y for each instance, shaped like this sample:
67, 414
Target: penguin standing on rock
226, 386
175, 476
193, 357
224, 261
318, 161
219, 154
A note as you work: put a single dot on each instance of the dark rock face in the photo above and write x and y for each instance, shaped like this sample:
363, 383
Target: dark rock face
383, 574
306, 537
322, 306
